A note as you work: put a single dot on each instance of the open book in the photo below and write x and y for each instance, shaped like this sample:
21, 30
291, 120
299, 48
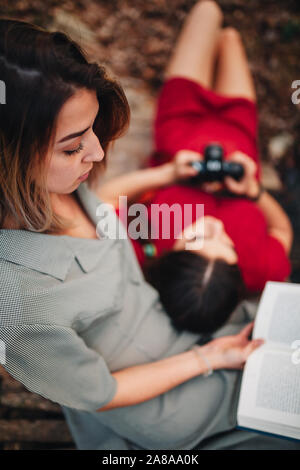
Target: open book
270, 391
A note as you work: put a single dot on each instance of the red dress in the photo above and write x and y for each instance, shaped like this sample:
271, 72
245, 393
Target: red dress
190, 116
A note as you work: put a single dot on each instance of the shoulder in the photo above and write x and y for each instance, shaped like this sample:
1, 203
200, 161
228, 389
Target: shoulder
23, 294
13, 295
33, 300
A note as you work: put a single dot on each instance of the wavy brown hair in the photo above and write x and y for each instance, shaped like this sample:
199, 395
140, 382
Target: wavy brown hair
41, 71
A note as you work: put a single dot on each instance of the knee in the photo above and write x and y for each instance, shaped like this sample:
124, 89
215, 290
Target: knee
208, 7
230, 34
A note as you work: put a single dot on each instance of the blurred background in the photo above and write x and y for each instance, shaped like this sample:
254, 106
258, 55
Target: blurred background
134, 39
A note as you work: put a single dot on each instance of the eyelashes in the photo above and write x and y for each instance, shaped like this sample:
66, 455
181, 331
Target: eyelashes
70, 152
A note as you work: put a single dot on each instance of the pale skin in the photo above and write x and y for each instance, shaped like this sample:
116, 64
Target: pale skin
142, 382
72, 157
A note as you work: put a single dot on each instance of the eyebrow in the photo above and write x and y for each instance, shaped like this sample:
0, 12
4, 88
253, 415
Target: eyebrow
72, 136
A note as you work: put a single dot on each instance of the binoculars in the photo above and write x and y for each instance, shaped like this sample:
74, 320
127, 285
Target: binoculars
214, 168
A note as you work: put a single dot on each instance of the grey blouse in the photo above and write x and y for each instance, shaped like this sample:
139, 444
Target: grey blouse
72, 311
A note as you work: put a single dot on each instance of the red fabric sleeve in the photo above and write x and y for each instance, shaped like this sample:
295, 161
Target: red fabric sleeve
278, 264
268, 262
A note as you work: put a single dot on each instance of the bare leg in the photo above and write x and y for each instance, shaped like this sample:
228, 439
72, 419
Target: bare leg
233, 76
195, 51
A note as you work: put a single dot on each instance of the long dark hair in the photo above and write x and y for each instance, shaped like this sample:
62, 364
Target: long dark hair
199, 295
41, 70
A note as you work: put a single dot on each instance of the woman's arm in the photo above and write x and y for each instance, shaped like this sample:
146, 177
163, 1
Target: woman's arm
140, 383
278, 222
135, 183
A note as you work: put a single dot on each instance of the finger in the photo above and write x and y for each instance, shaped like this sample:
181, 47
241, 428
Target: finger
217, 227
245, 160
246, 331
209, 218
239, 156
190, 171
194, 156
185, 156
251, 346
234, 186
249, 167
227, 239
242, 158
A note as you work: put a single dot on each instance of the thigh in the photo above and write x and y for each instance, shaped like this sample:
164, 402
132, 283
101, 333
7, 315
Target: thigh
181, 417
233, 77
195, 51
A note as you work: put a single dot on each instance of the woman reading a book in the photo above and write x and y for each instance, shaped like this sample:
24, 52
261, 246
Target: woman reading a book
80, 325
208, 96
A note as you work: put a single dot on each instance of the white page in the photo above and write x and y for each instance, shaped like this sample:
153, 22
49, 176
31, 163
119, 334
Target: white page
278, 316
270, 388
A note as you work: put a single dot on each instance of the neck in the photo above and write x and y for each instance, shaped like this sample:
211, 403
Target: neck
60, 201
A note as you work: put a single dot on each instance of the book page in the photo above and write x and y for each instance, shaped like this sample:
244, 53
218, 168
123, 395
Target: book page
278, 385
270, 390
278, 316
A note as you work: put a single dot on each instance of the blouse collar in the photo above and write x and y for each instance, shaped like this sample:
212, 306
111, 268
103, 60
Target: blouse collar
54, 254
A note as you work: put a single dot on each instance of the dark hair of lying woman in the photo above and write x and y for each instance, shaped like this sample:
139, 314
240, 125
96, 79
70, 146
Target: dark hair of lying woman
198, 294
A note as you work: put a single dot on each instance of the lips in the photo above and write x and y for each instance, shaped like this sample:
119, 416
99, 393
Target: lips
85, 175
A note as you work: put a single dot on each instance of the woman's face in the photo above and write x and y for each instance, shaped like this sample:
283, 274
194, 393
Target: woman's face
76, 145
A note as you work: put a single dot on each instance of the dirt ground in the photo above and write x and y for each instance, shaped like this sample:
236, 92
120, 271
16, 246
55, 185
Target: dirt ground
134, 39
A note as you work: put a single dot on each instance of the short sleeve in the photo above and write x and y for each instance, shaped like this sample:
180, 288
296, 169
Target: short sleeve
55, 362
265, 261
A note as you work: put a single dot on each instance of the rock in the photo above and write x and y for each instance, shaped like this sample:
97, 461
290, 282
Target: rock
72, 25
270, 178
279, 144
53, 431
27, 400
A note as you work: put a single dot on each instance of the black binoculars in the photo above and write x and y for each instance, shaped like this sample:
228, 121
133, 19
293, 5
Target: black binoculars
214, 168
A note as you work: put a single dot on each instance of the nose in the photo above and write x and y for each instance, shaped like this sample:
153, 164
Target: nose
95, 151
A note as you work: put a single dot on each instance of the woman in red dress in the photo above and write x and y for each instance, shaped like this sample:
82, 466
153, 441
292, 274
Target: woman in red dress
208, 96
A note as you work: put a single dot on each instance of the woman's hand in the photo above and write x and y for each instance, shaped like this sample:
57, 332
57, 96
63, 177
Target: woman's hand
203, 228
183, 169
248, 185
231, 352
